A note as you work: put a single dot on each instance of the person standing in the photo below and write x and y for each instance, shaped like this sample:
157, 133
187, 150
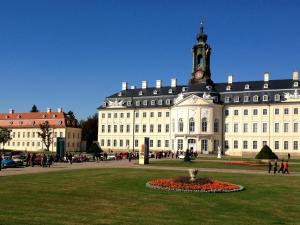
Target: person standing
70, 157
286, 167
270, 166
129, 157
275, 166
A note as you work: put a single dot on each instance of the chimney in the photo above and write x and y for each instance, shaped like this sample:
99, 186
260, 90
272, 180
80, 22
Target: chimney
266, 77
295, 75
124, 86
59, 109
11, 111
48, 110
173, 82
158, 84
132, 87
230, 79
144, 84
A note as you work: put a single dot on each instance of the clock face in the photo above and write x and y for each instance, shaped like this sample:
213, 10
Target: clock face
199, 74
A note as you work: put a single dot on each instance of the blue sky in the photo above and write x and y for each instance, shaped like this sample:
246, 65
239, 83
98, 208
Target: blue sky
74, 53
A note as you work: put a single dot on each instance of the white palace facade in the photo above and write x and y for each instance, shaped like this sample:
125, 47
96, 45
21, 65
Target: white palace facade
240, 117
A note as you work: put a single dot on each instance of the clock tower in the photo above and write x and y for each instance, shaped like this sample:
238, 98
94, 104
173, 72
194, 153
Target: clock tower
201, 60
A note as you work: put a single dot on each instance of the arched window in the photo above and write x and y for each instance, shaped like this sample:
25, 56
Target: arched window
216, 125
180, 125
192, 125
204, 124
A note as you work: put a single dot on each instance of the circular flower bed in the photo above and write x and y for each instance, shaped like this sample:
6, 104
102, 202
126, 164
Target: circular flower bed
200, 185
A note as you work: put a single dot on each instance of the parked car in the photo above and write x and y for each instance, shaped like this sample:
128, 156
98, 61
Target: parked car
8, 162
111, 157
18, 160
181, 156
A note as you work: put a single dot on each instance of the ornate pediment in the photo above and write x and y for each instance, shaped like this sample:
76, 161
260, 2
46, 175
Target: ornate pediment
192, 99
292, 97
115, 104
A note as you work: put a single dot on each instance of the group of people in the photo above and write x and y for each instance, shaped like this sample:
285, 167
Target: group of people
283, 168
69, 157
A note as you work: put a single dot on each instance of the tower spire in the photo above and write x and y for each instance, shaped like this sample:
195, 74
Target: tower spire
201, 25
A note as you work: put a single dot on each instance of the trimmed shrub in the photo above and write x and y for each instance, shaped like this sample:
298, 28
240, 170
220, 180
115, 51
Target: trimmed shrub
266, 153
94, 148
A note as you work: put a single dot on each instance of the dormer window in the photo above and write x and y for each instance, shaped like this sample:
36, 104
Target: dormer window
227, 99
11, 122
295, 84
247, 87
155, 92
104, 104
170, 91
265, 98
129, 103
266, 85
208, 87
7, 116
145, 102
159, 102
21, 122
44, 116
216, 99
246, 98
120, 94
140, 93
184, 89
19, 116
236, 98
255, 98
168, 102
228, 88
54, 116
138, 103
152, 102
59, 122
33, 123
277, 97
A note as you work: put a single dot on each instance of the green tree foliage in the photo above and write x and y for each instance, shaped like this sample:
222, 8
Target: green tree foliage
94, 148
34, 109
46, 134
4, 136
89, 129
187, 157
266, 153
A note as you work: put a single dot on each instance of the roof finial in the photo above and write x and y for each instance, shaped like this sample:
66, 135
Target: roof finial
201, 25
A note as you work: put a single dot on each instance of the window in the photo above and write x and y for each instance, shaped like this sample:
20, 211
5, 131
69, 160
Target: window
136, 143
235, 144
121, 143
115, 115
227, 99
276, 111
151, 143
295, 145
276, 145
255, 98
103, 115
140, 93
296, 84
137, 115
265, 128
295, 127
127, 143
204, 124
245, 144
216, 125
286, 127
159, 114
285, 145
121, 115
277, 97
128, 115
103, 129
138, 103
155, 92
151, 114
295, 111
254, 127
152, 102
246, 98
129, 103
286, 111
115, 129
254, 145
245, 127
166, 143
168, 101
236, 98
115, 143
144, 128
151, 128
121, 128
144, 114
264, 143
108, 128
145, 103
128, 128
276, 127
266, 85
167, 128
226, 112
235, 127
245, 112
158, 143
236, 112
228, 88
108, 143
167, 114
159, 128
159, 102
265, 112
102, 142
226, 127
255, 112
136, 128
247, 87
179, 144
192, 125
265, 98
226, 145
109, 115
180, 125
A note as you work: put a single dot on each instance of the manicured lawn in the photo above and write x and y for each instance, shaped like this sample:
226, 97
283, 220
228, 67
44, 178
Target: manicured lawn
119, 196
215, 164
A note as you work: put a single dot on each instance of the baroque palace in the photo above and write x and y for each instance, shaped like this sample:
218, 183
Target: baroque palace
240, 117
66, 134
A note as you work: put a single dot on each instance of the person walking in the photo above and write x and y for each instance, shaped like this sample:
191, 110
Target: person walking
275, 166
281, 167
129, 157
286, 167
270, 166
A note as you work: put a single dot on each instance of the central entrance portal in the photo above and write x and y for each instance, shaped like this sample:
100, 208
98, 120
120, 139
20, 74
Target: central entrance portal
192, 145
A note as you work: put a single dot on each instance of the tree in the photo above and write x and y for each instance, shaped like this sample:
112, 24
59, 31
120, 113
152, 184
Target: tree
70, 115
94, 148
266, 153
34, 109
89, 129
4, 136
46, 134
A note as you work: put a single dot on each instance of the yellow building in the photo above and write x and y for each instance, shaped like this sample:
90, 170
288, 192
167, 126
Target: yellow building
238, 117
26, 126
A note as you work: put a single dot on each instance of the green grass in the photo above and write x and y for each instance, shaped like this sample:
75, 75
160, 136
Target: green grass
199, 163
119, 196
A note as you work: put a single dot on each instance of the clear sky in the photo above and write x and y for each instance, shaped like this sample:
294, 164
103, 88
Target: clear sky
73, 53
